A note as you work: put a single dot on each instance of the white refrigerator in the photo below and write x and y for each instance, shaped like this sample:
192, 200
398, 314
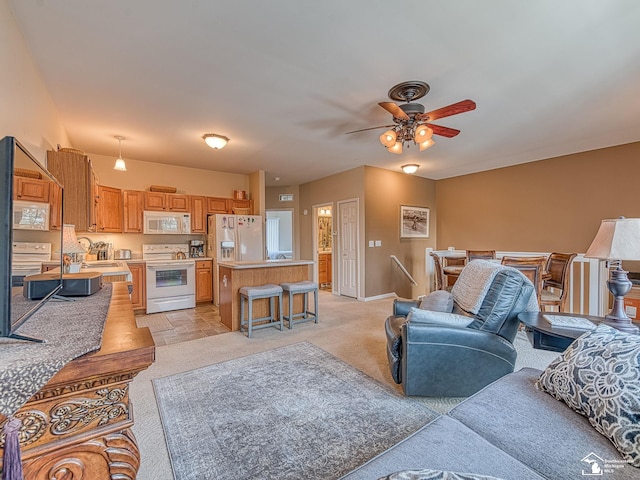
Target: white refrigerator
233, 238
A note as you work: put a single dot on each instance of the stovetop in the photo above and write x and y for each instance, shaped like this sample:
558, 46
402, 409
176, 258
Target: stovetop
166, 252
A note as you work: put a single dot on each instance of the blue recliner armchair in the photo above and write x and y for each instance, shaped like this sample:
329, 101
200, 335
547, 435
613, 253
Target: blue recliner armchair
454, 344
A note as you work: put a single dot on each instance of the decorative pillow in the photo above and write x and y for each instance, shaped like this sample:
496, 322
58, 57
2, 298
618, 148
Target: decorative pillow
598, 376
435, 475
438, 301
417, 315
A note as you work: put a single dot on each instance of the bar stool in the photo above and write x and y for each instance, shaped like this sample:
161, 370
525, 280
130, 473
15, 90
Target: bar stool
249, 294
305, 288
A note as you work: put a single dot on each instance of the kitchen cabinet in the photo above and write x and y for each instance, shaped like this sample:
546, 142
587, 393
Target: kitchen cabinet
172, 202
31, 189
217, 205
133, 205
204, 281
198, 208
324, 269
233, 205
110, 213
139, 282
74, 170
55, 207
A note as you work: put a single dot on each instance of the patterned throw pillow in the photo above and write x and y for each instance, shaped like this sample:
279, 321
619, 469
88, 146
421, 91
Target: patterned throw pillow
434, 475
598, 376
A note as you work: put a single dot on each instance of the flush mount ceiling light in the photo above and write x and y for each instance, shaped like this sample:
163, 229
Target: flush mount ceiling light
215, 141
410, 168
120, 165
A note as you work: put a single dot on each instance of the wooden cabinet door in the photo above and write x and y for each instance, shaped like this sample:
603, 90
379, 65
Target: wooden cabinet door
139, 280
329, 268
198, 214
241, 204
217, 205
109, 210
155, 201
55, 207
31, 189
133, 204
178, 203
204, 281
322, 268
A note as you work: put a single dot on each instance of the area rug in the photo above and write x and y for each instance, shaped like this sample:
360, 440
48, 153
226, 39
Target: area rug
295, 412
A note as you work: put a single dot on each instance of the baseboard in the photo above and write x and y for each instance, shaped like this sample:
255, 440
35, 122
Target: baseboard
378, 297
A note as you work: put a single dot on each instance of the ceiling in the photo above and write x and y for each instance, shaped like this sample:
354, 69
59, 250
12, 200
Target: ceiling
285, 79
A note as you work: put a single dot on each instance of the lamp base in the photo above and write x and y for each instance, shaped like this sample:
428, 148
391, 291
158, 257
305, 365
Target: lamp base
619, 285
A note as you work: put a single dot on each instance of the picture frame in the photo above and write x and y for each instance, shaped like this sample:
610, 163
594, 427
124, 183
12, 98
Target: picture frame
414, 222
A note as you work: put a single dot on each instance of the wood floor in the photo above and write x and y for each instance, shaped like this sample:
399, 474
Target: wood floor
181, 325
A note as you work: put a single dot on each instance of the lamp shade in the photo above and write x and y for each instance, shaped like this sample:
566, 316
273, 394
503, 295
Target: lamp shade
423, 133
70, 242
396, 148
120, 165
617, 239
388, 138
426, 144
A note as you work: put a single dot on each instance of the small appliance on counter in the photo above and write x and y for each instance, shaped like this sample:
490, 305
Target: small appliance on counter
122, 254
196, 248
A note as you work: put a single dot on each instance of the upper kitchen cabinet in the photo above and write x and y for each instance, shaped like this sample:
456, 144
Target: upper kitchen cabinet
74, 170
198, 214
110, 211
31, 189
171, 202
217, 205
133, 207
242, 207
55, 209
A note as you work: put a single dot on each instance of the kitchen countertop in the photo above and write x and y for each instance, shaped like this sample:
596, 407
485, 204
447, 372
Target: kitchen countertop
264, 264
105, 267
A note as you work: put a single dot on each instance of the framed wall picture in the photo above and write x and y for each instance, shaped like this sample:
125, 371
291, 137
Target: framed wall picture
414, 222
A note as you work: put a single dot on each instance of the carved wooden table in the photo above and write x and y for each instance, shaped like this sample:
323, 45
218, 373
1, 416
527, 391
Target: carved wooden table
79, 424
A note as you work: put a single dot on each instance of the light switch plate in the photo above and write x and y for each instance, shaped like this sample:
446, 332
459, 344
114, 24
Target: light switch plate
378, 243
370, 243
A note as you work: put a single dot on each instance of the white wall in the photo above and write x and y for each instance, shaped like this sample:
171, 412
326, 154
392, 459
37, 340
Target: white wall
27, 111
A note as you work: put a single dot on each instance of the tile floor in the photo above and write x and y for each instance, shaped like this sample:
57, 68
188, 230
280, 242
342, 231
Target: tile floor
181, 325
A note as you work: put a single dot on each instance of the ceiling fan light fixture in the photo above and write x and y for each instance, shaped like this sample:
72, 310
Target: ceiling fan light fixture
388, 138
423, 133
410, 168
120, 165
215, 141
396, 148
427, 144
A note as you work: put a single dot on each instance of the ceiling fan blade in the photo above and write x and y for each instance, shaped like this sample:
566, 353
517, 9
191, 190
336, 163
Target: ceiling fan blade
370, 128
454, 109
394, 110
443, 131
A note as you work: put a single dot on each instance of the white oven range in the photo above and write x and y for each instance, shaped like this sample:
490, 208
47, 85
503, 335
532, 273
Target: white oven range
26, 259
171, 277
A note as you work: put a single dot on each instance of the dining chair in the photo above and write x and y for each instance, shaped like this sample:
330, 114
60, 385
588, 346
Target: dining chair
534, 268
480, 255
452, 267
556, 287
438, 271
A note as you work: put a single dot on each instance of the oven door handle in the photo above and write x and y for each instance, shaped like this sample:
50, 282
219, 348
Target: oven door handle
171, 266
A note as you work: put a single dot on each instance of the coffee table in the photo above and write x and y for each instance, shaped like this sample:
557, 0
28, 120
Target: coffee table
543, 336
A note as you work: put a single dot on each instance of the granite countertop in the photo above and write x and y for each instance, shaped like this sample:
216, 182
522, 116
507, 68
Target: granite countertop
264, 264
105, 267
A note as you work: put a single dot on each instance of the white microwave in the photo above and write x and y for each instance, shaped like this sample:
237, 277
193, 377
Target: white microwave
30, 215
167, 223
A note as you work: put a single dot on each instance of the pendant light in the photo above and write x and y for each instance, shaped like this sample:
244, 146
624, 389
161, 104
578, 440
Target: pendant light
120, 165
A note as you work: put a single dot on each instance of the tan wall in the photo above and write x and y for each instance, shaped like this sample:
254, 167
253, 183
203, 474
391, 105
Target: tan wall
385, 192
27, 111
550, 205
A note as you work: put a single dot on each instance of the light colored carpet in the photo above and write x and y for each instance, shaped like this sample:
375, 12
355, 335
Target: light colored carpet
289, 413
350, 330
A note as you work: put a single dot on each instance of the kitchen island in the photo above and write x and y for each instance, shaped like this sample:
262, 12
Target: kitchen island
235, 275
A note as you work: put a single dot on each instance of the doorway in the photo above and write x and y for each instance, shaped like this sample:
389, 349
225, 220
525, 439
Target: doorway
324, 245
279, 234
348, 263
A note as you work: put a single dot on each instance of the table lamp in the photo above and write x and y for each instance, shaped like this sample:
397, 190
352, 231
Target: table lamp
617, 239
71, 247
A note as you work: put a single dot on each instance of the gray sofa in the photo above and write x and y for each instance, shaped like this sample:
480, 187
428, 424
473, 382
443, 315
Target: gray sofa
509, 430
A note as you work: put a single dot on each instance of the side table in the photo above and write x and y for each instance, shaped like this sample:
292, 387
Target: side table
545, 337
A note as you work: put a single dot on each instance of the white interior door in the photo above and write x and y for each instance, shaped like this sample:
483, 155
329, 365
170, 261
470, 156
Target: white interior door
348, 238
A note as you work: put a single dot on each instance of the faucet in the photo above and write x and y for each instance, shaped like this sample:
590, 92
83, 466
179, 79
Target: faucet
90, 247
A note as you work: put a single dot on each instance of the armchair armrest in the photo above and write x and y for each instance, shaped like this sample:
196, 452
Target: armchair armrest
401, 306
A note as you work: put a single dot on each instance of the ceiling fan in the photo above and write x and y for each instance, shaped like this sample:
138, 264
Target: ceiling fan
411, 123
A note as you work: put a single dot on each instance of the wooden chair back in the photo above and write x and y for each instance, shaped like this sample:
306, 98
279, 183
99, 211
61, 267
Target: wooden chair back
532, 267
438, 271
480, 255
557, 268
